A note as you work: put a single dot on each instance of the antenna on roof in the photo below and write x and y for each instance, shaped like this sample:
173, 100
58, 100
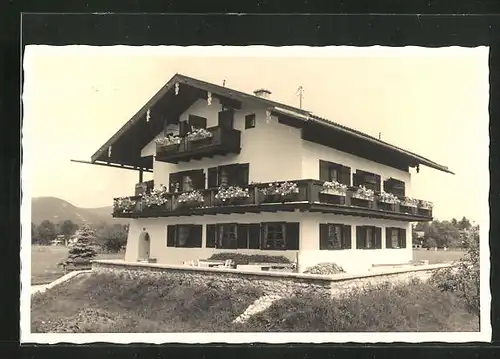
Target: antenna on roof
224, 83
379, 135
300, 93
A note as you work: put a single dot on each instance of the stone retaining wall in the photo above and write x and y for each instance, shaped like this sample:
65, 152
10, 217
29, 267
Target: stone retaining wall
270, 282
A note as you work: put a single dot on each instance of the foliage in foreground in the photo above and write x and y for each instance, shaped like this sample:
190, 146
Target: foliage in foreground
241, 259
463, 280
415, 306
103, 303
324, 269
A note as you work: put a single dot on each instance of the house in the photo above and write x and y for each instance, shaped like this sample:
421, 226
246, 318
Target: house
234, 172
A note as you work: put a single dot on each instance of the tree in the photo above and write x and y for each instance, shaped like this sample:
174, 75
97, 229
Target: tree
113, 238
34, 234
46, 232
67, 228
454, 222
82, 251
464, 223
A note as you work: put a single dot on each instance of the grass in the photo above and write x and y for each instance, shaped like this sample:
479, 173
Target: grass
114, 303
45, 259
438, 256
111, 303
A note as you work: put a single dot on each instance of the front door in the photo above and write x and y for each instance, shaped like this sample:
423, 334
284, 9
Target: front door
144, 246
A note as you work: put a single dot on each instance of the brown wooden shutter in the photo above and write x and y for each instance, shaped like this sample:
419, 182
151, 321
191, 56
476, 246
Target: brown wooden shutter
198, 178
346, 234
323, 236
402, 238
388, 237
171, 234
242, 236
210, 232
345, 175
226, 118
292, 233
378, 237
324, 171
212, 173
197, 121
195, 235
254, 236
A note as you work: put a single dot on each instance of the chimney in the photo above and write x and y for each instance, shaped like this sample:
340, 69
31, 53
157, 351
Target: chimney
262, 93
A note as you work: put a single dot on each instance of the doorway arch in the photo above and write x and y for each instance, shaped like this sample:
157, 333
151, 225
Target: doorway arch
144, 245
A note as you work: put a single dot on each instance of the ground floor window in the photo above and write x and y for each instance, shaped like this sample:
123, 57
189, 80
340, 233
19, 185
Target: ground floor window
184, 236
264, 236
334, 236
395, 237
368, 237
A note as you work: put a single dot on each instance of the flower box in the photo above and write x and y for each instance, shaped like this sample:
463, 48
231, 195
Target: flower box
232, 195
409, 202
361, 202
331, 198
276, 198
191, 199
364, 194
167, 148
280, 192
387, 206
189, 204
199, 134
334, 188
425, 205
407, 209
233, 201
124, 205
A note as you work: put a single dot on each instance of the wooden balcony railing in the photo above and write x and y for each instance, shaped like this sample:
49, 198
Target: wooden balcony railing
310, 196
223, 141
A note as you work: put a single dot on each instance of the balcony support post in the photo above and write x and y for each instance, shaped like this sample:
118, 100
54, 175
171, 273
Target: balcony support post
141, 175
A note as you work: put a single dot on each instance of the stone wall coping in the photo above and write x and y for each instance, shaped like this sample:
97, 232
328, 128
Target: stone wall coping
305, 276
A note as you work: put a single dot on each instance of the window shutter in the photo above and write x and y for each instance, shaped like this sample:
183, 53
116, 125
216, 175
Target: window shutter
242, 174
198, 178
254, 236
292, 233
262, 236
355, 179
197, 121
324, 171
388, 238
377, 181
212, 177
323, 236
184, 128
360, 231
173, 179
195, 235
242, 236
387, 187
402, 238
346, 234
345, 175
210, 232
226, 118
171, 232
378, 237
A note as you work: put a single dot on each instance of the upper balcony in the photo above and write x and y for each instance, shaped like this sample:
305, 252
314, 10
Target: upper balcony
303, 195
218, 140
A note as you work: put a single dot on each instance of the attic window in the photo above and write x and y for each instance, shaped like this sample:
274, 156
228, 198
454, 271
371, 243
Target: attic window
249, 121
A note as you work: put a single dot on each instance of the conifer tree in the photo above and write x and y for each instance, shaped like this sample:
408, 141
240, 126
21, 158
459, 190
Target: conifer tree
83, 251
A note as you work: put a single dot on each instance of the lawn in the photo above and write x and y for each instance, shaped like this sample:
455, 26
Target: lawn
45, 259
103, 303
439, 256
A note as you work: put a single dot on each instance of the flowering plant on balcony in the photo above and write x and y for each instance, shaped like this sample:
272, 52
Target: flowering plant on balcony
191, 196
280, 189
198, 134
168, 140
426, 205
390, 198
410, 202
157, 197
225, 193
124, 204
364, 193
334, 188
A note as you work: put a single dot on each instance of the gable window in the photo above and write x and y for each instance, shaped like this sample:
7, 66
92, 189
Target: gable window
334, 236
329, 171
395, 237
368, 237
184, 236
249, 121
367, 179
197, 122
227, 235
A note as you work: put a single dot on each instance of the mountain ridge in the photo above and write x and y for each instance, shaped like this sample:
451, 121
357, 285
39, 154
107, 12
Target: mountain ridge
58, 210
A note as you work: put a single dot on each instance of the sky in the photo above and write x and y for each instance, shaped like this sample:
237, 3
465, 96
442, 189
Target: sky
430, 101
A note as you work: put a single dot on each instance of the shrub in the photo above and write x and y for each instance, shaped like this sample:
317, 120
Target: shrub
325, 269
463, 279
83, 251
241, 259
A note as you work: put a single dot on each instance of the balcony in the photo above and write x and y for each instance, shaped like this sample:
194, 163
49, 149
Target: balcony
309, 195
222, 141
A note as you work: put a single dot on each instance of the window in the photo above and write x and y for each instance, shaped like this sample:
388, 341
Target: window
249, 121
329, 171
395, 238
231, 175
184, 236
197, 121
394, 186
335, 236
274, 236
368, 237
367, 179
227, 236
187, 181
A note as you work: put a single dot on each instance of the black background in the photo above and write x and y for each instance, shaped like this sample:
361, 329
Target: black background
278, 29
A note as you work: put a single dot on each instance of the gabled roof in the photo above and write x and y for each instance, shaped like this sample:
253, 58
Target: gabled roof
142, 131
